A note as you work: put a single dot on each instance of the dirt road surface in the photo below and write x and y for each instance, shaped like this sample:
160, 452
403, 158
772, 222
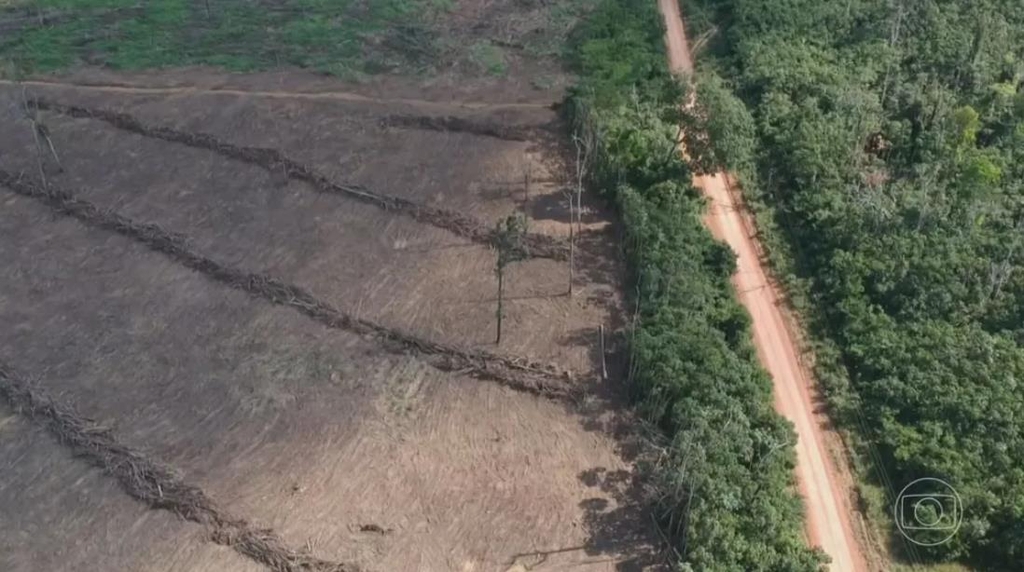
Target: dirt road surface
829, 520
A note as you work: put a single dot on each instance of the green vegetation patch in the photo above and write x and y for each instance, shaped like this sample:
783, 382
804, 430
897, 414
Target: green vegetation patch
338, 37
488, 57
326, 36
725, 485
883, 143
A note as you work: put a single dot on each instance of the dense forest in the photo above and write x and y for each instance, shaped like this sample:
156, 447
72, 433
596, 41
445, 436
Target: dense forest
725, 493
883, 141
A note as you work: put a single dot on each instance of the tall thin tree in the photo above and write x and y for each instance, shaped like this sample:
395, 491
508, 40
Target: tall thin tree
527, 181
510, 234
39, 130
572, 240
584, 145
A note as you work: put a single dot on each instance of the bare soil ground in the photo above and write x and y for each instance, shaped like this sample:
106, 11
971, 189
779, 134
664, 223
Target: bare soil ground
60, 514
454, 90
349, 451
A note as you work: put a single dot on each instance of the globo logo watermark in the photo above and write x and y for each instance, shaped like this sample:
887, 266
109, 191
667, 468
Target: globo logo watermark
928, 512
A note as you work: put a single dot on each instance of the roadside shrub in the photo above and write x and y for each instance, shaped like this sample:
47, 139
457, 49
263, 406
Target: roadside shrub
725, 486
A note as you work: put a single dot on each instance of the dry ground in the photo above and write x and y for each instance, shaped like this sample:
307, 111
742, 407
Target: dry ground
312, 431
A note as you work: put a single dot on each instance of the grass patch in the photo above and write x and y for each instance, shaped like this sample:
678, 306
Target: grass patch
555, 25
332, 37
488, 58
349, 38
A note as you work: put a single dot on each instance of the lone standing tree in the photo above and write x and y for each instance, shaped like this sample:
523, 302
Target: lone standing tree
572, 241
509, 236
584, 144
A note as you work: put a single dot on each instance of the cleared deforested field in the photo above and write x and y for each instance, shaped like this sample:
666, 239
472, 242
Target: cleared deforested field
50, 497
319, 365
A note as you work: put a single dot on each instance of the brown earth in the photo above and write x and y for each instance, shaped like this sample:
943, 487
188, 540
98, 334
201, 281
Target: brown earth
346, 451
60, 514
458, 91
825, 489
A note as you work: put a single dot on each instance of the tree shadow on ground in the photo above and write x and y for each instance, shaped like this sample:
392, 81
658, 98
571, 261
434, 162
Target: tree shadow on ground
617, 522
554, 205
617, 518
599, 266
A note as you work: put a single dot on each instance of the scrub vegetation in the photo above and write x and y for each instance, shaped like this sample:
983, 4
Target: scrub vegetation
882, 143
725, 488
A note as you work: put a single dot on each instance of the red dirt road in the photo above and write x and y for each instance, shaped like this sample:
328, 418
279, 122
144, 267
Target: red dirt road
829, 520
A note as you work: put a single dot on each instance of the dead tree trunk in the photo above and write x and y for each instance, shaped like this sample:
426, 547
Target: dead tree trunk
572, 259
527, 179
604, 357
583, 148
39, 156
501, 299
572, 246
39, 130
579, 208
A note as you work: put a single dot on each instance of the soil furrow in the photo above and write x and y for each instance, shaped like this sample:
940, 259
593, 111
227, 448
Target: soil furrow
151, 482
451, 123
131, 89
538, 245
516, 373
